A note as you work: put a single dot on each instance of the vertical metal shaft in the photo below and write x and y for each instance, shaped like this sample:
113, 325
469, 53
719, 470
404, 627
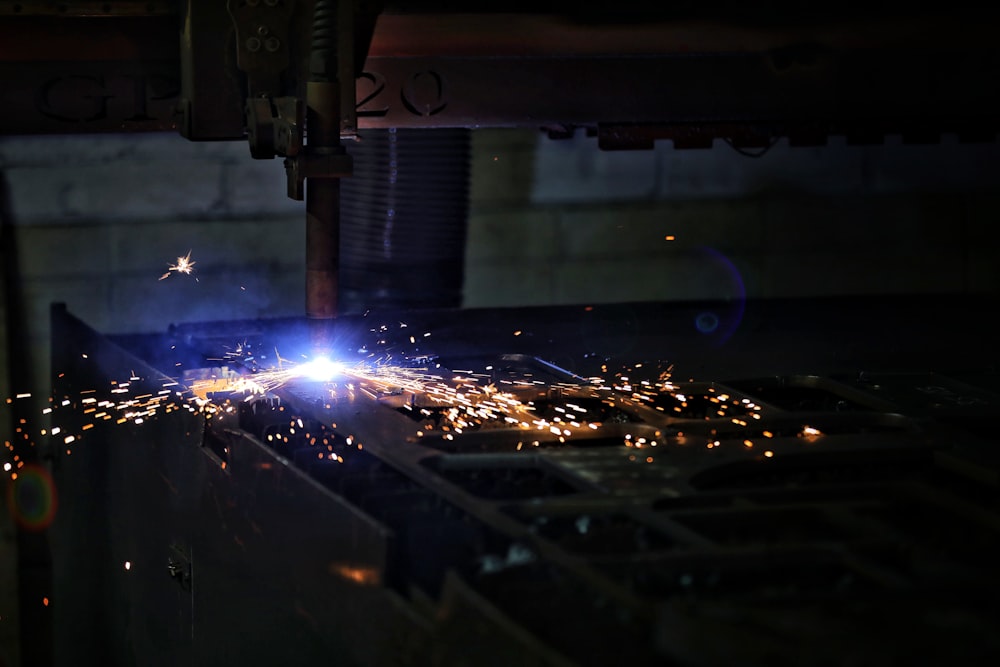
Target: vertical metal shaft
323, 190
322, 204
322, 247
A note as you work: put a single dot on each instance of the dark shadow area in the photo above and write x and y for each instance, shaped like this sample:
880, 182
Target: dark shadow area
29, 494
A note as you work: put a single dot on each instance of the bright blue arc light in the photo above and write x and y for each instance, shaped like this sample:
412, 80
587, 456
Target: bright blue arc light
321, 369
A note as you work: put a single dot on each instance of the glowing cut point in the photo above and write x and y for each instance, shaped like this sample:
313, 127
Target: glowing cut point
321, 369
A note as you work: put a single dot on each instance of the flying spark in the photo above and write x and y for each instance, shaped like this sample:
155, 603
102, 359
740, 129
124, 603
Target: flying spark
443, 403
184, 265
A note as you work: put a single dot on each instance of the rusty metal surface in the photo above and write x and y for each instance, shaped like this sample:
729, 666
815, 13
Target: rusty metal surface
832, 508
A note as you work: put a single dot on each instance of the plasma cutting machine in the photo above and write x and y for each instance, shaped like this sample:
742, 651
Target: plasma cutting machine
310, 76
476, 497
304, 79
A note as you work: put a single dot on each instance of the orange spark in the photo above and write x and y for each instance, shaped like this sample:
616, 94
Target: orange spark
184, 265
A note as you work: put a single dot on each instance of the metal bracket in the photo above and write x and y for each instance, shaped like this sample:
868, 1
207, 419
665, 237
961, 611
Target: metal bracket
179, 567
262, 41
316, 163
274, 126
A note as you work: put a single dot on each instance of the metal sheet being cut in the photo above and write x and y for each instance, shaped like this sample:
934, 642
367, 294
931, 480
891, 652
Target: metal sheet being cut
419, 491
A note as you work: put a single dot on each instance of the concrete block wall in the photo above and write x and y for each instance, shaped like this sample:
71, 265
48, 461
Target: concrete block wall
560, 222
98, 220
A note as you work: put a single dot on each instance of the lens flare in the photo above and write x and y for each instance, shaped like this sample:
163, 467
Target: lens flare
725, 285
32, 498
